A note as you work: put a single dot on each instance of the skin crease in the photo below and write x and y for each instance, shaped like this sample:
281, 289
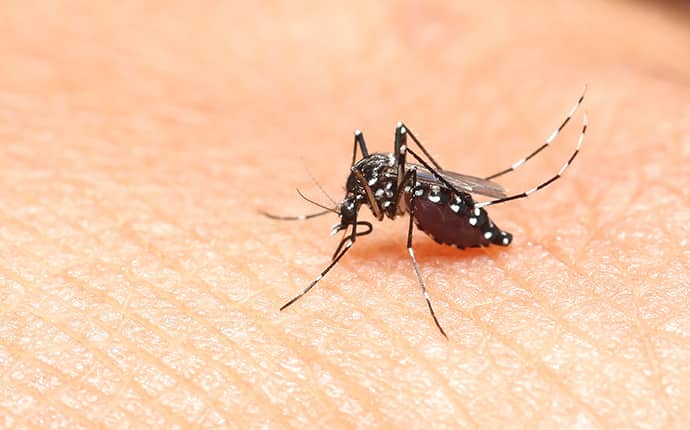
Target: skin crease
139, 287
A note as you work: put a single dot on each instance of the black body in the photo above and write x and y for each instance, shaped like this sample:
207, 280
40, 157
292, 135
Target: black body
446, 215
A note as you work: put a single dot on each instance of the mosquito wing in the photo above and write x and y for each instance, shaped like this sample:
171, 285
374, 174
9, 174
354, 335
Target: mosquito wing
470, 184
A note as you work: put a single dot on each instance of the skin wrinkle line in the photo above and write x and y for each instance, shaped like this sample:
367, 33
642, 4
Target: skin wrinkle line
580, 253
176, 375
126, 381
679, 339
677, 247
650, 352
548, 307
384, 328
539, 365
180, 305
649, 331
11, 309
138, 319
148, 325
79, 381
220, 299
210, 362
38, 397
546, 373
222, 336
96, 352
111, 301
610, 354
653, 360
344, 377
9, 414
34, 392
652, 356
623, 216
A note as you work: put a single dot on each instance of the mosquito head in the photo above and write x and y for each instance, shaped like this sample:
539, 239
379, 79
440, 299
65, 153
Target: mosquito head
348, 209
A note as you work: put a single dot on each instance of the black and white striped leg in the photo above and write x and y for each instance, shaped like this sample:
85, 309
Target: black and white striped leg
401, 129
408, 185
294, 218
349, 241
369, 229
302, 217
400, 153
545, 183
410, 250
373, 204
359, 142
548, 141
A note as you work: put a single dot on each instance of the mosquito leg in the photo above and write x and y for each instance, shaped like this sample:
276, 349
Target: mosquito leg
349, 241
369, 227
401, 189
545, 183
434, 172
302, 217
400, 154
359, 141
378, 213
410, 250
402, 127
548, 141
294, 218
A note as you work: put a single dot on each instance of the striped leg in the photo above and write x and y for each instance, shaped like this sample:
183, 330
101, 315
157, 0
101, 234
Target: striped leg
410, 250
401, 130
551, 138
545, 183
348, 242
359, 141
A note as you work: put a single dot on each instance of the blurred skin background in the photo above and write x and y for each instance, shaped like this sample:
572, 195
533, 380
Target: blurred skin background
140, 289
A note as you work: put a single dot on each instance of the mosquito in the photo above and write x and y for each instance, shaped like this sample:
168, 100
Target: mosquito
438, 201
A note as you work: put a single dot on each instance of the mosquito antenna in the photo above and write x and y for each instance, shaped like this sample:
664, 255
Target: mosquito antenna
316, 203
313, 179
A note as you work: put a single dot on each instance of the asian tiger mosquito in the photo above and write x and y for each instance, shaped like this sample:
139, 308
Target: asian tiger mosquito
437, 200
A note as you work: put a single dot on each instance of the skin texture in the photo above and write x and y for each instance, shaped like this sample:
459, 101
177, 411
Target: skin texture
139, 287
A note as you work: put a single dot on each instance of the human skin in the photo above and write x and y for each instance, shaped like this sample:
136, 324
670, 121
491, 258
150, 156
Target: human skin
139, 287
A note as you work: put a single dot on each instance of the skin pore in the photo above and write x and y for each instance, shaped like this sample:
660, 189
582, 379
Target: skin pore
139, 287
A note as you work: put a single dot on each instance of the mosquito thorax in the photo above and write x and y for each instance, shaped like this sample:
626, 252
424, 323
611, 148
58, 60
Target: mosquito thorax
379, 173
